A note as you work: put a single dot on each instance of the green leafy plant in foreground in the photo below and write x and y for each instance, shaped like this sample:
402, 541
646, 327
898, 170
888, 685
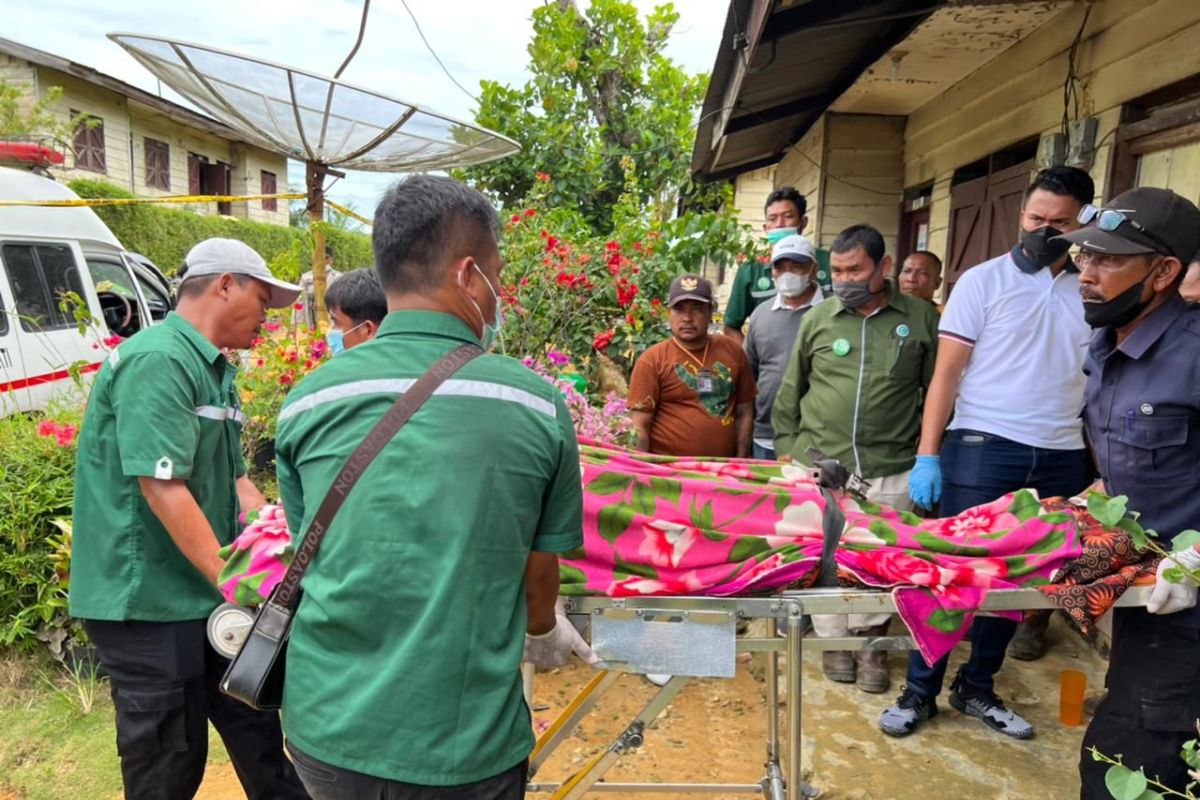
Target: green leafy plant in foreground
1122, 782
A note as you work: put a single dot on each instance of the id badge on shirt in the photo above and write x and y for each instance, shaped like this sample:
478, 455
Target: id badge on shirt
704, 381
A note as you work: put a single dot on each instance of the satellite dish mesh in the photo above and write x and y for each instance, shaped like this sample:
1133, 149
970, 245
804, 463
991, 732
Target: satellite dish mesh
314, 118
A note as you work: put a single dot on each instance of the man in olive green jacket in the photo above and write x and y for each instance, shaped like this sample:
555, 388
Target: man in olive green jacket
854, 390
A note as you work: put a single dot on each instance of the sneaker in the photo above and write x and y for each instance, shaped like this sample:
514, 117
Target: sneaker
839, 665
989, 709
657, 679
903, 716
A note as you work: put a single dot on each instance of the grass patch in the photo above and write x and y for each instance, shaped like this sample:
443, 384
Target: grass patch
50, 750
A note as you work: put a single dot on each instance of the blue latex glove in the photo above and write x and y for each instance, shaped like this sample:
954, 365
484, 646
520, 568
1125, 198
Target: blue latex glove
925, 482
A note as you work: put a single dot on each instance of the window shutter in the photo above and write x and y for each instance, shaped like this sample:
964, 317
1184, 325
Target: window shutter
89, 144
193, 165
268, 184
158, 164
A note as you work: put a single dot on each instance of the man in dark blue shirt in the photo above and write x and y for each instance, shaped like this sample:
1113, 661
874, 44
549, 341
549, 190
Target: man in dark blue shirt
1142, 416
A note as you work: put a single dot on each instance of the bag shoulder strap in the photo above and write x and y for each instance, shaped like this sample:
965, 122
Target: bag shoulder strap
287, 595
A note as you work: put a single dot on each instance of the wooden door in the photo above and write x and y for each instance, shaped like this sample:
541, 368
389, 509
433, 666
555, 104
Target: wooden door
1005, 196
968, 229
215, 179
914, 233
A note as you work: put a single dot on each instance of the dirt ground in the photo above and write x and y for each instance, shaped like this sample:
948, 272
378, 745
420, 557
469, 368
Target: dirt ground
715, 731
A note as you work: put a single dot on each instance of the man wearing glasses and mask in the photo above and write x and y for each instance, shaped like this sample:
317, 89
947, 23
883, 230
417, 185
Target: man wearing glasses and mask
1142, 414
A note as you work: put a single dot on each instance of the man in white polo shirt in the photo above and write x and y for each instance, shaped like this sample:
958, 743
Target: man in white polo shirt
1010, 366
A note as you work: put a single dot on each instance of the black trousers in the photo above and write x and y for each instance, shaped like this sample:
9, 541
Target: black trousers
327, 782
1153, 700
164, 679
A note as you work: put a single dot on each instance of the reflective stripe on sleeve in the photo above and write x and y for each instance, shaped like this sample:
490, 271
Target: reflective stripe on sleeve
220, 413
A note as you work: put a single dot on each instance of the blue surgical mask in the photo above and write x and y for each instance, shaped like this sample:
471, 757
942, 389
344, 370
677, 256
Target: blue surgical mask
773, 236
336, 339
490, 332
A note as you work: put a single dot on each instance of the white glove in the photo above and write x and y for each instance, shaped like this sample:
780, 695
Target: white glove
1168, 597
554, 648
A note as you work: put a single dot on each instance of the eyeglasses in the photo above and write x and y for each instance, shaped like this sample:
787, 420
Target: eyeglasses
1109, 219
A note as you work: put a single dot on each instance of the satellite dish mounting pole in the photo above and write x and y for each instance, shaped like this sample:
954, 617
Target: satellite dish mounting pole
315, 180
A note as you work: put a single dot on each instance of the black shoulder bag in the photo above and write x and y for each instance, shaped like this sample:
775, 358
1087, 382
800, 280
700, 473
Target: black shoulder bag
255, 675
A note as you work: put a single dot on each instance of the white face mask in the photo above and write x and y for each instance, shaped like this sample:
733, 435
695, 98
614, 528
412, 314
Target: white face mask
789, 284
489, 332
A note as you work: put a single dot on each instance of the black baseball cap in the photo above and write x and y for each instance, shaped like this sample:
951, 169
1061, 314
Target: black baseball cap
690, 287
1165, 223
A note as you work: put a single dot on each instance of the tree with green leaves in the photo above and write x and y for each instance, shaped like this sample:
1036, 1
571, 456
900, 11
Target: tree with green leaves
604, 110
25, 117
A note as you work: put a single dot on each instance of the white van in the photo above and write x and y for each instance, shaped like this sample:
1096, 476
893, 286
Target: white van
46, 252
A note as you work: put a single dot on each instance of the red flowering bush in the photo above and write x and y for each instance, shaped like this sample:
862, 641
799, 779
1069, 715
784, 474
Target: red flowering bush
282, 355
566, 289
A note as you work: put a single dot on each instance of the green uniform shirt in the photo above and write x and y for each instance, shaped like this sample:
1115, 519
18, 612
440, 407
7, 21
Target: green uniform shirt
163, 406
406, 647
754, 283
855, 385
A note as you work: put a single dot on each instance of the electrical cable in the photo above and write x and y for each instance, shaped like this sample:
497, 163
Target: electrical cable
433, 52
1070, 92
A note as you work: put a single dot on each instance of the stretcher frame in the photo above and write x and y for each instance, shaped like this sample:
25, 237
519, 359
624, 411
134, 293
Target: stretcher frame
784, 615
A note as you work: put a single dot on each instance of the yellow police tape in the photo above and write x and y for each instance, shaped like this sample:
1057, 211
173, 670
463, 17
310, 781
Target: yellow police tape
177, 199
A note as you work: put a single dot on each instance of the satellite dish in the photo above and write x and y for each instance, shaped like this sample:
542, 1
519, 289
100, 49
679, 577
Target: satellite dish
321, 121
313, 118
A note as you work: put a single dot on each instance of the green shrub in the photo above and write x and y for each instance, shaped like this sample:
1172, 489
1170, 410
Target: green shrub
164, 234
37, 483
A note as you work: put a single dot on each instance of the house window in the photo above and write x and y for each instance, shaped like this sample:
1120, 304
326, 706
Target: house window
158, 164
89, 144
39, 276
268, 183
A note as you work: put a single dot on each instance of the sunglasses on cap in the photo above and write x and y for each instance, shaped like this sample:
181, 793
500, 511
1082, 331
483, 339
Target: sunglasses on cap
1109, 219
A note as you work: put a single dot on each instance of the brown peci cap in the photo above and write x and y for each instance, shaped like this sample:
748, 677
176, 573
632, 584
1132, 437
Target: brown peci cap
690, 287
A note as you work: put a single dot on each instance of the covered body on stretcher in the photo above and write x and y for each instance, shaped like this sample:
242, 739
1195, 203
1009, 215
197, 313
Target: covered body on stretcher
662, 526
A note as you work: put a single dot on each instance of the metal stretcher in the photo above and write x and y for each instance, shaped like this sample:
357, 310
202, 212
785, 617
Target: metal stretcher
690, 637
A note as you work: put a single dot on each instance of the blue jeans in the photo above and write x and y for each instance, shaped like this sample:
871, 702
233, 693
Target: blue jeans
977, 468
762, 453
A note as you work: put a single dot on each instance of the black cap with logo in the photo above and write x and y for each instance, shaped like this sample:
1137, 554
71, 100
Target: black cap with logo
690, 287
1148, 220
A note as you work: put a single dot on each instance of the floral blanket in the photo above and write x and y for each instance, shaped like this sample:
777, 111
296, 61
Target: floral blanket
657, 525
666, 526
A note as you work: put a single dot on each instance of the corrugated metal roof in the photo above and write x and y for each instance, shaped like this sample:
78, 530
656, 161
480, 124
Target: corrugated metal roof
781, 65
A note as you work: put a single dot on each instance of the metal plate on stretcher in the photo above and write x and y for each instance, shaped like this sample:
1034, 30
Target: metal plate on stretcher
693, 643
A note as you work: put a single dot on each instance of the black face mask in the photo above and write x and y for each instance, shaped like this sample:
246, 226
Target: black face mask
1040, 249
1119, 311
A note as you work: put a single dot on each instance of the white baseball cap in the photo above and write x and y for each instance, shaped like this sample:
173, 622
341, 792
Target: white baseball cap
219, 256
795, 248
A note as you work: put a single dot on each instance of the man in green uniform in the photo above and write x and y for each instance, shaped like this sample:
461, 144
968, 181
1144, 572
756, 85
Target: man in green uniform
854, 390
785, 214
159, 482
441, 569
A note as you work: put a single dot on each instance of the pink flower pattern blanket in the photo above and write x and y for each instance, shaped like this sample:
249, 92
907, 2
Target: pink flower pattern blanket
657, 525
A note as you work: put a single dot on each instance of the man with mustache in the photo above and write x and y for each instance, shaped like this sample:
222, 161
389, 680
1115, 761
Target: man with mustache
693, 394
1142, 414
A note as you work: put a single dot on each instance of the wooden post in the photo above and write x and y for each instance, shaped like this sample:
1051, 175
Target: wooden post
315, 180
